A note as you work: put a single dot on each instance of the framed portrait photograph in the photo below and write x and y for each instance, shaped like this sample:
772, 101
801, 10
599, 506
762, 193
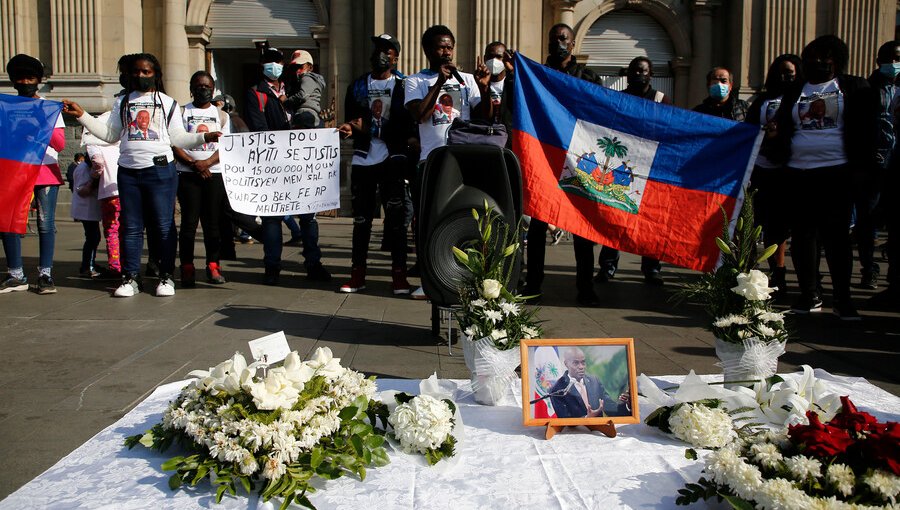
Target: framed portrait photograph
584, 381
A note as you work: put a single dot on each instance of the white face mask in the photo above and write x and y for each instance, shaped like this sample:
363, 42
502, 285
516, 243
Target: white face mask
495, 66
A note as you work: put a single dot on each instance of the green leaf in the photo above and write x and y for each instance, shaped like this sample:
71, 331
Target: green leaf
248, 486
736, 502
357, 444
220, 492
172, 464
380, 457
374, 441
690, 454
403, 398
175, 481
347, 413
316, 458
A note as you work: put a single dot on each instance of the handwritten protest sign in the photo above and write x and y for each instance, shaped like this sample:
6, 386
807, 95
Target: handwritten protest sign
273, 173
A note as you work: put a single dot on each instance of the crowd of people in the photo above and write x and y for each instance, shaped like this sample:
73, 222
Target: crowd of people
826, 164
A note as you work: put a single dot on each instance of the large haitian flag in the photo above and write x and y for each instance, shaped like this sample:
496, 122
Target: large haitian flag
626, 172
25, 129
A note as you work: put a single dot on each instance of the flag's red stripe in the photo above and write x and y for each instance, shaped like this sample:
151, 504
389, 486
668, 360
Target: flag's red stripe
675, 225
16, 190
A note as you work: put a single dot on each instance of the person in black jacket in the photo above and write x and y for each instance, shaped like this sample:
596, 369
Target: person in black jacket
380, 127
825, 133
265, 112
722, 101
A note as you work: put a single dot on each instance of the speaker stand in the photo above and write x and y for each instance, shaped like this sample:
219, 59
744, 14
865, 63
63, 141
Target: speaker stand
438, 315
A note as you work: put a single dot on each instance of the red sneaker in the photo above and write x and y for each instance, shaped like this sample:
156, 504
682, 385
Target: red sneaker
357, 280
188, 275
399, 285
213, 274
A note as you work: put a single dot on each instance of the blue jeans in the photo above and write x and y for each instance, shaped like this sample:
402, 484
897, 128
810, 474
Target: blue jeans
271, 238
152, 189
45, 196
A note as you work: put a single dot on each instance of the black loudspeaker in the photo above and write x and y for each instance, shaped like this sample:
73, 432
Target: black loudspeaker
457, 179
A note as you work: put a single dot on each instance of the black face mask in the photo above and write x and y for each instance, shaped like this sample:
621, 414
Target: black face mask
787, 79
143, 83
559, 51
639, 81
202, 95
381, 62
26, 89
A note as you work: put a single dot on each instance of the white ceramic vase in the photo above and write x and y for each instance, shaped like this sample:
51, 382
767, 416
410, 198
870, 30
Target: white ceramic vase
492, 371
752, 360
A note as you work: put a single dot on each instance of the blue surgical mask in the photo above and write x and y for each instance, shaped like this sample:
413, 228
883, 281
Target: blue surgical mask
718, 90
891, 69
272, 70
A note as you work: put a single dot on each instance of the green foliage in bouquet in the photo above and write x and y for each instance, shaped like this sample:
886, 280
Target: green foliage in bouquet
488, 308
243, 431
736, 294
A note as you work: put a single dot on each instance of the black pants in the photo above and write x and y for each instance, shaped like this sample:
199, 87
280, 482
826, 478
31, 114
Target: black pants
890, 207
366, 183
202, 200
821, 214
771, 203
866, 192
91, 242
584, 259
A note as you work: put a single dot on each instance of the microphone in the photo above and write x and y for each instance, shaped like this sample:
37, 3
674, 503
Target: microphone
458, 77
555, 393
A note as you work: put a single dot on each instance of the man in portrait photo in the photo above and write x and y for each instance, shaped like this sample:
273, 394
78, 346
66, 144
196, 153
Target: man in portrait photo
140, 129
579, 395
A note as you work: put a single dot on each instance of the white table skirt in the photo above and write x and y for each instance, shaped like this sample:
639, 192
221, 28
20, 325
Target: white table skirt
502, 464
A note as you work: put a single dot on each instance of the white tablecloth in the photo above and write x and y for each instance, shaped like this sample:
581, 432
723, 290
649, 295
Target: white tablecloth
502, 464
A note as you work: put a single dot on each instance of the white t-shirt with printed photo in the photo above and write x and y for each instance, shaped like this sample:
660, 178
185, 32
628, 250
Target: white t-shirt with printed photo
203, 120
496, 89
51, 157
145, 130
819, 122
379, 93
456, 100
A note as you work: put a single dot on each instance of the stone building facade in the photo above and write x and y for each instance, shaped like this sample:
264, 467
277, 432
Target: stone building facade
81, 40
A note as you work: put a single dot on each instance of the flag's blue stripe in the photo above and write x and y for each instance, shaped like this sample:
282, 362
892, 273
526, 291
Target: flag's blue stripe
695, 151
25, 127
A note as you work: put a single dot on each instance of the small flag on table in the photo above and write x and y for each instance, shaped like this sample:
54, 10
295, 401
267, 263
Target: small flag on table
25, 129
624, 171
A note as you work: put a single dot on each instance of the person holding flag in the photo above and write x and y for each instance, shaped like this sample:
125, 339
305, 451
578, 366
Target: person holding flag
26, 73
560, 58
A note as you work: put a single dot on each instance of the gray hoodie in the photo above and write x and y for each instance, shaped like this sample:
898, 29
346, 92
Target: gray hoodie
306, 103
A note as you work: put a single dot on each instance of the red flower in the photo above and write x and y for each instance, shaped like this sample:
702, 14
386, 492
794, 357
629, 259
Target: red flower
818, 439
883, 447
852, 420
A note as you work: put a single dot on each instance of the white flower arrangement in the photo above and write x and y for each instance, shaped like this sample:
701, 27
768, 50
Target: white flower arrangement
736, 295
702, 426
300, 420
424, 424
487, 308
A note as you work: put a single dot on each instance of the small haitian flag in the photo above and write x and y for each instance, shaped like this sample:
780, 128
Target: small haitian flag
25, 129
626, 172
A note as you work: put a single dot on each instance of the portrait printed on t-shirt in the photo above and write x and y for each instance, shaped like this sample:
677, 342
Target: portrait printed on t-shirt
144, 121
819, 111
202, 124
448, 105
380, 108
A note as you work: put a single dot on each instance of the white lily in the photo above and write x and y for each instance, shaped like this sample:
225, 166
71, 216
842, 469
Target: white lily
227, 377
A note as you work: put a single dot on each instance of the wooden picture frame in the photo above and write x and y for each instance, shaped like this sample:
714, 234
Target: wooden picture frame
602, 359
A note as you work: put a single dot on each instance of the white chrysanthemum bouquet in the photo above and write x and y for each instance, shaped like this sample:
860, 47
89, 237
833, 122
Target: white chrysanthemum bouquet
736, 295
488, 308
277, 431
424, 424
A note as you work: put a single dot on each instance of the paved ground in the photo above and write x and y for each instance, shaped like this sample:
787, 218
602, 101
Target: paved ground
78, 360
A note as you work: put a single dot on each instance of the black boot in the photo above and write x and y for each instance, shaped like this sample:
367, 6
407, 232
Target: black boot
779, 280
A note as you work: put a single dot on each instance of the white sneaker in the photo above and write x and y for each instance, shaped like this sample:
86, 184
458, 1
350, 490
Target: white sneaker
418, 294
128, 288
166, 287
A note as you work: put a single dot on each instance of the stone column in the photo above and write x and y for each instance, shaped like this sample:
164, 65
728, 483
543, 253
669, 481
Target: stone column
176, 70
681, 68
197, 39
564, 11
341, 42
702, 46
